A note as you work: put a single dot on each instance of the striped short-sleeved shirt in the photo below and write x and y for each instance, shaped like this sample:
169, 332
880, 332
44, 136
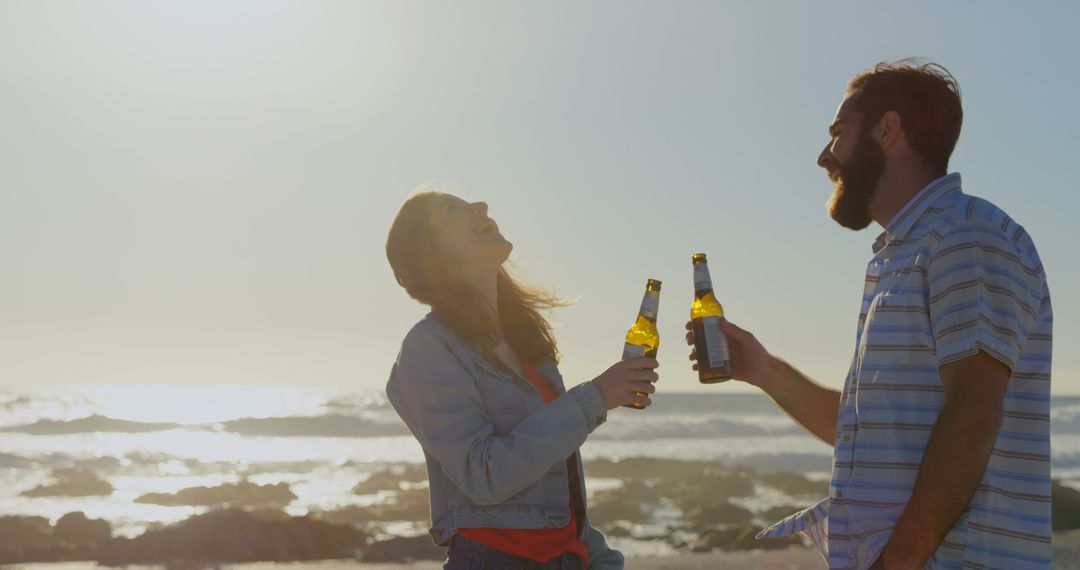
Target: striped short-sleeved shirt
951, 275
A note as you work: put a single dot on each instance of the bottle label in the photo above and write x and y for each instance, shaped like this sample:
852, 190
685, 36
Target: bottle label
633, 351
715, 342
650, 304
702, 279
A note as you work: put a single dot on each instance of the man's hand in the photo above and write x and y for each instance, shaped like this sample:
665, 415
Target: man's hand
750, 362
813, 406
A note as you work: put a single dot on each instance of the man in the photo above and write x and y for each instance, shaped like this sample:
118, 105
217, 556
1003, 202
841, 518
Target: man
941, 433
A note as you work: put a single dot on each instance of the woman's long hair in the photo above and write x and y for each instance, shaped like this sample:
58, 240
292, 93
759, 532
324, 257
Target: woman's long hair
422, 271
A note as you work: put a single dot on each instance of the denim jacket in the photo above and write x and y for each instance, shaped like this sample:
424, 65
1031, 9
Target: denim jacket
496, 453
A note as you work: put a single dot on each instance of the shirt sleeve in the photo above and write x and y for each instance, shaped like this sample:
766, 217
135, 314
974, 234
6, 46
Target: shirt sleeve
984, 295
439, 402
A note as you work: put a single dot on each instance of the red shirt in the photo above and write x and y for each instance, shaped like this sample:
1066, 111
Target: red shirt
540, 544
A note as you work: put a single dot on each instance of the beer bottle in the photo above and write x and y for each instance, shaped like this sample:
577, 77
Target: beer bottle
713, 356
642, 339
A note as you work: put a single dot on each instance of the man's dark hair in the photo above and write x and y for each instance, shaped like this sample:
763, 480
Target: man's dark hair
925, 95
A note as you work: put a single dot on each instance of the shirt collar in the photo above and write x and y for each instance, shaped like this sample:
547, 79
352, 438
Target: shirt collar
905, 219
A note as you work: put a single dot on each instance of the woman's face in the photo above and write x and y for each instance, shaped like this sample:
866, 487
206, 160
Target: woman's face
467, 239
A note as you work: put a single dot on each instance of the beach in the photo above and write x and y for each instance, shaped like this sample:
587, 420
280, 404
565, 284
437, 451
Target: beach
331, 475
795, 558
1066, 557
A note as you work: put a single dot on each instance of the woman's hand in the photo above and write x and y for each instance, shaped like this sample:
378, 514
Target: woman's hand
750, 362
621, 384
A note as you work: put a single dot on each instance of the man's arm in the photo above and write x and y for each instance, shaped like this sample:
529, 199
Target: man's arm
814, 406
954, 461
811, 405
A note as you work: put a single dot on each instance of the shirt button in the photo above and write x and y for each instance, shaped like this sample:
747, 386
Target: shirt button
847, 438
839, 494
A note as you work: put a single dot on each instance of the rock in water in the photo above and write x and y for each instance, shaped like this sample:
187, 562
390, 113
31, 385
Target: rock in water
75, 528
32, 539
1065, 504
738, 537
235, 535
718, 513
24, 531
242, 494
72, 483
14, 461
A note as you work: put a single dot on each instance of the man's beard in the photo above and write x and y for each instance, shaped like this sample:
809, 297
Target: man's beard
856, 183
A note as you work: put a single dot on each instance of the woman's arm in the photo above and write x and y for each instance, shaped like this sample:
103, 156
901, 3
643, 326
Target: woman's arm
601, 556
437, 398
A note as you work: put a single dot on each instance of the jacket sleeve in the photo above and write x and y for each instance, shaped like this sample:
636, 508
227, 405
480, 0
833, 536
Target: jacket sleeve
438, 399
601, 556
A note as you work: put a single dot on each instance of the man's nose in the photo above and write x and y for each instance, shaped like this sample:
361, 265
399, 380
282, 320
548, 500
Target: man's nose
824, 158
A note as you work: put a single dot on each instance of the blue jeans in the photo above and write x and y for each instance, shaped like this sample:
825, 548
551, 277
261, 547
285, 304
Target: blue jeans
466, 554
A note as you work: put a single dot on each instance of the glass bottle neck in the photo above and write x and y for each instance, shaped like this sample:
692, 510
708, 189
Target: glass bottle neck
702, 279
650, 304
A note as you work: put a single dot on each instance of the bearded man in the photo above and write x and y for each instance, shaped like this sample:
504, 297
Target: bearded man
941, 432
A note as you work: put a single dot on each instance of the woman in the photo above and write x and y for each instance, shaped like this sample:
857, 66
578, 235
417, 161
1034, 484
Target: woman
477, 384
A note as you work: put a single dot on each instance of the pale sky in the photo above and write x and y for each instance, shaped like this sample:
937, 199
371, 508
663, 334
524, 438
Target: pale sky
199, 192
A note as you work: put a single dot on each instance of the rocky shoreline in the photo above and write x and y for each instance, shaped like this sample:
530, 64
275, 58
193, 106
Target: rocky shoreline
687, 506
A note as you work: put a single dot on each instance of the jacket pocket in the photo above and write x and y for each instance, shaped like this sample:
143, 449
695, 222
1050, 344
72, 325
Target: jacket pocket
502, 394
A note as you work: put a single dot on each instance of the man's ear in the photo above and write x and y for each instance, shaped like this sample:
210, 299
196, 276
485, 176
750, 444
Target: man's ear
891, 129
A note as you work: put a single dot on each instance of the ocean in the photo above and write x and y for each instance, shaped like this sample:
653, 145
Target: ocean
133, 440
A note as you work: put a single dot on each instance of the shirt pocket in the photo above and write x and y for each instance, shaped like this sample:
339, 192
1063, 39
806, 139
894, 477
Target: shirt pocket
898, 330
898, 382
